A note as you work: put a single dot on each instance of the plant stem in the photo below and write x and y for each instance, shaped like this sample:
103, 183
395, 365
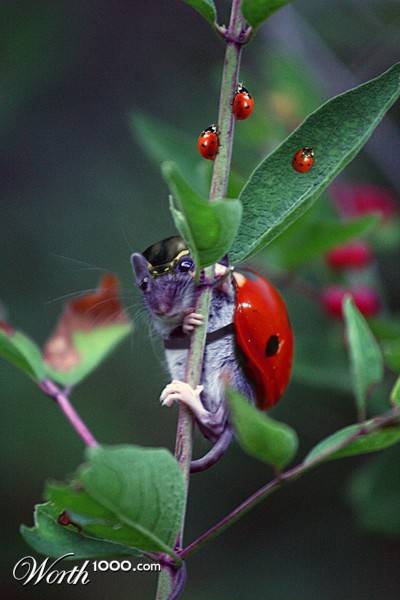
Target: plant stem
219, 185
390, 418
50, 389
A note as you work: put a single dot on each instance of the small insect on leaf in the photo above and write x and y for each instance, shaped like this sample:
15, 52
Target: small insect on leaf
303, 160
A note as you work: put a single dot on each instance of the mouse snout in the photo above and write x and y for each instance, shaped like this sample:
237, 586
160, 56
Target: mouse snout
162, 308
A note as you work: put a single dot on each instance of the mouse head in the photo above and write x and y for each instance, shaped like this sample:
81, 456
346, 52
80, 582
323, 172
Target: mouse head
165, 275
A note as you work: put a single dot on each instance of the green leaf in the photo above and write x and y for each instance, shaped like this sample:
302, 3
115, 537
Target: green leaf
142, 487
205, 7
395, 393
94, 519
374, 493
275, 195
257, 11
49, 538
260, 436
391, 350
208, 228
385, 328
23, 353
298, 246
370, 442
161, 142
365, 354
93, 347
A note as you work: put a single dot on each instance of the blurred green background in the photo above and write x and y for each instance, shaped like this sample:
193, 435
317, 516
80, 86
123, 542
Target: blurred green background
79, 194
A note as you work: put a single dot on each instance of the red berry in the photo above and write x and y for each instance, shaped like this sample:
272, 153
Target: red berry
243, 103
355, 255
332, 299
208, 142
303, 160
366, 300
357, 200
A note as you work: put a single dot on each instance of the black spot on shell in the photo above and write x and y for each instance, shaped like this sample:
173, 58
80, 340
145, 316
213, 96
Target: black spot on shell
272, 345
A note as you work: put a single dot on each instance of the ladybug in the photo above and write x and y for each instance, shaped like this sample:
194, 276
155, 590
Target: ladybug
208, 142
243, 103
264, 336
303, 160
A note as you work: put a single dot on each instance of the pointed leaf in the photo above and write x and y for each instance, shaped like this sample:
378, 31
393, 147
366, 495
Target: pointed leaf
260, 436
276, 195
365, 354
142, 487
21, 351
94, 519
49, 538
89, 329
92, 347
257, 11
161, 141
205, 7
208, 228
364, 444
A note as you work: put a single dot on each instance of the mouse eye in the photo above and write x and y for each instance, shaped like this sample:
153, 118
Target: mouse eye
186, 265
144, 284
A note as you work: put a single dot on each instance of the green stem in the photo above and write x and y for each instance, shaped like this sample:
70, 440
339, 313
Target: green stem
184, 436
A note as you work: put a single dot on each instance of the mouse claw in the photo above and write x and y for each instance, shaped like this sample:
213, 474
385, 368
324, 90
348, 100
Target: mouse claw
179, 391
191, 321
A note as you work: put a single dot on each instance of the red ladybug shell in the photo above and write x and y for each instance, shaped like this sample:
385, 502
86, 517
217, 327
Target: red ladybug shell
264, 335
303, 160
243, 104
208, 143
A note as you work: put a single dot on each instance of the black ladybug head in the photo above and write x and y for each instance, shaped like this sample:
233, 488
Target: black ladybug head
211, 129
308, 151
163, 256
242, 90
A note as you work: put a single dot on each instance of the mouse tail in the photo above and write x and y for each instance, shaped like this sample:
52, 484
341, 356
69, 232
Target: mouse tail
216, 452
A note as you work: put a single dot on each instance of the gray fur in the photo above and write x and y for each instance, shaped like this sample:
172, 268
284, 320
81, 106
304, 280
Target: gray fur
175, 296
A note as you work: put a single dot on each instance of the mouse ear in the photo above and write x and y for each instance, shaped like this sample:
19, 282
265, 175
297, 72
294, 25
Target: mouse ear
139, 264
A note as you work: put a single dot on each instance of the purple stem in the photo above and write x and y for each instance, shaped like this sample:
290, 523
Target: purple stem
390, 418
51, 389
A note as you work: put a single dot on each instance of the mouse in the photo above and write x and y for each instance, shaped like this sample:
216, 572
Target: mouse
165, 276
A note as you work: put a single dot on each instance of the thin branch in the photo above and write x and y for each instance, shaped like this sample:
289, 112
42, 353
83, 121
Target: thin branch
390, 418
168, 580
51, 389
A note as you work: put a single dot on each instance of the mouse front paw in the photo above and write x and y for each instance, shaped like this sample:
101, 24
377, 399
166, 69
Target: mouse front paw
191, 321
179, 391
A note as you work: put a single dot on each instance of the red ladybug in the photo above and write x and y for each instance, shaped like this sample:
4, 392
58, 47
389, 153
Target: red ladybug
264, 335
303, 160
208, 142
243, 103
